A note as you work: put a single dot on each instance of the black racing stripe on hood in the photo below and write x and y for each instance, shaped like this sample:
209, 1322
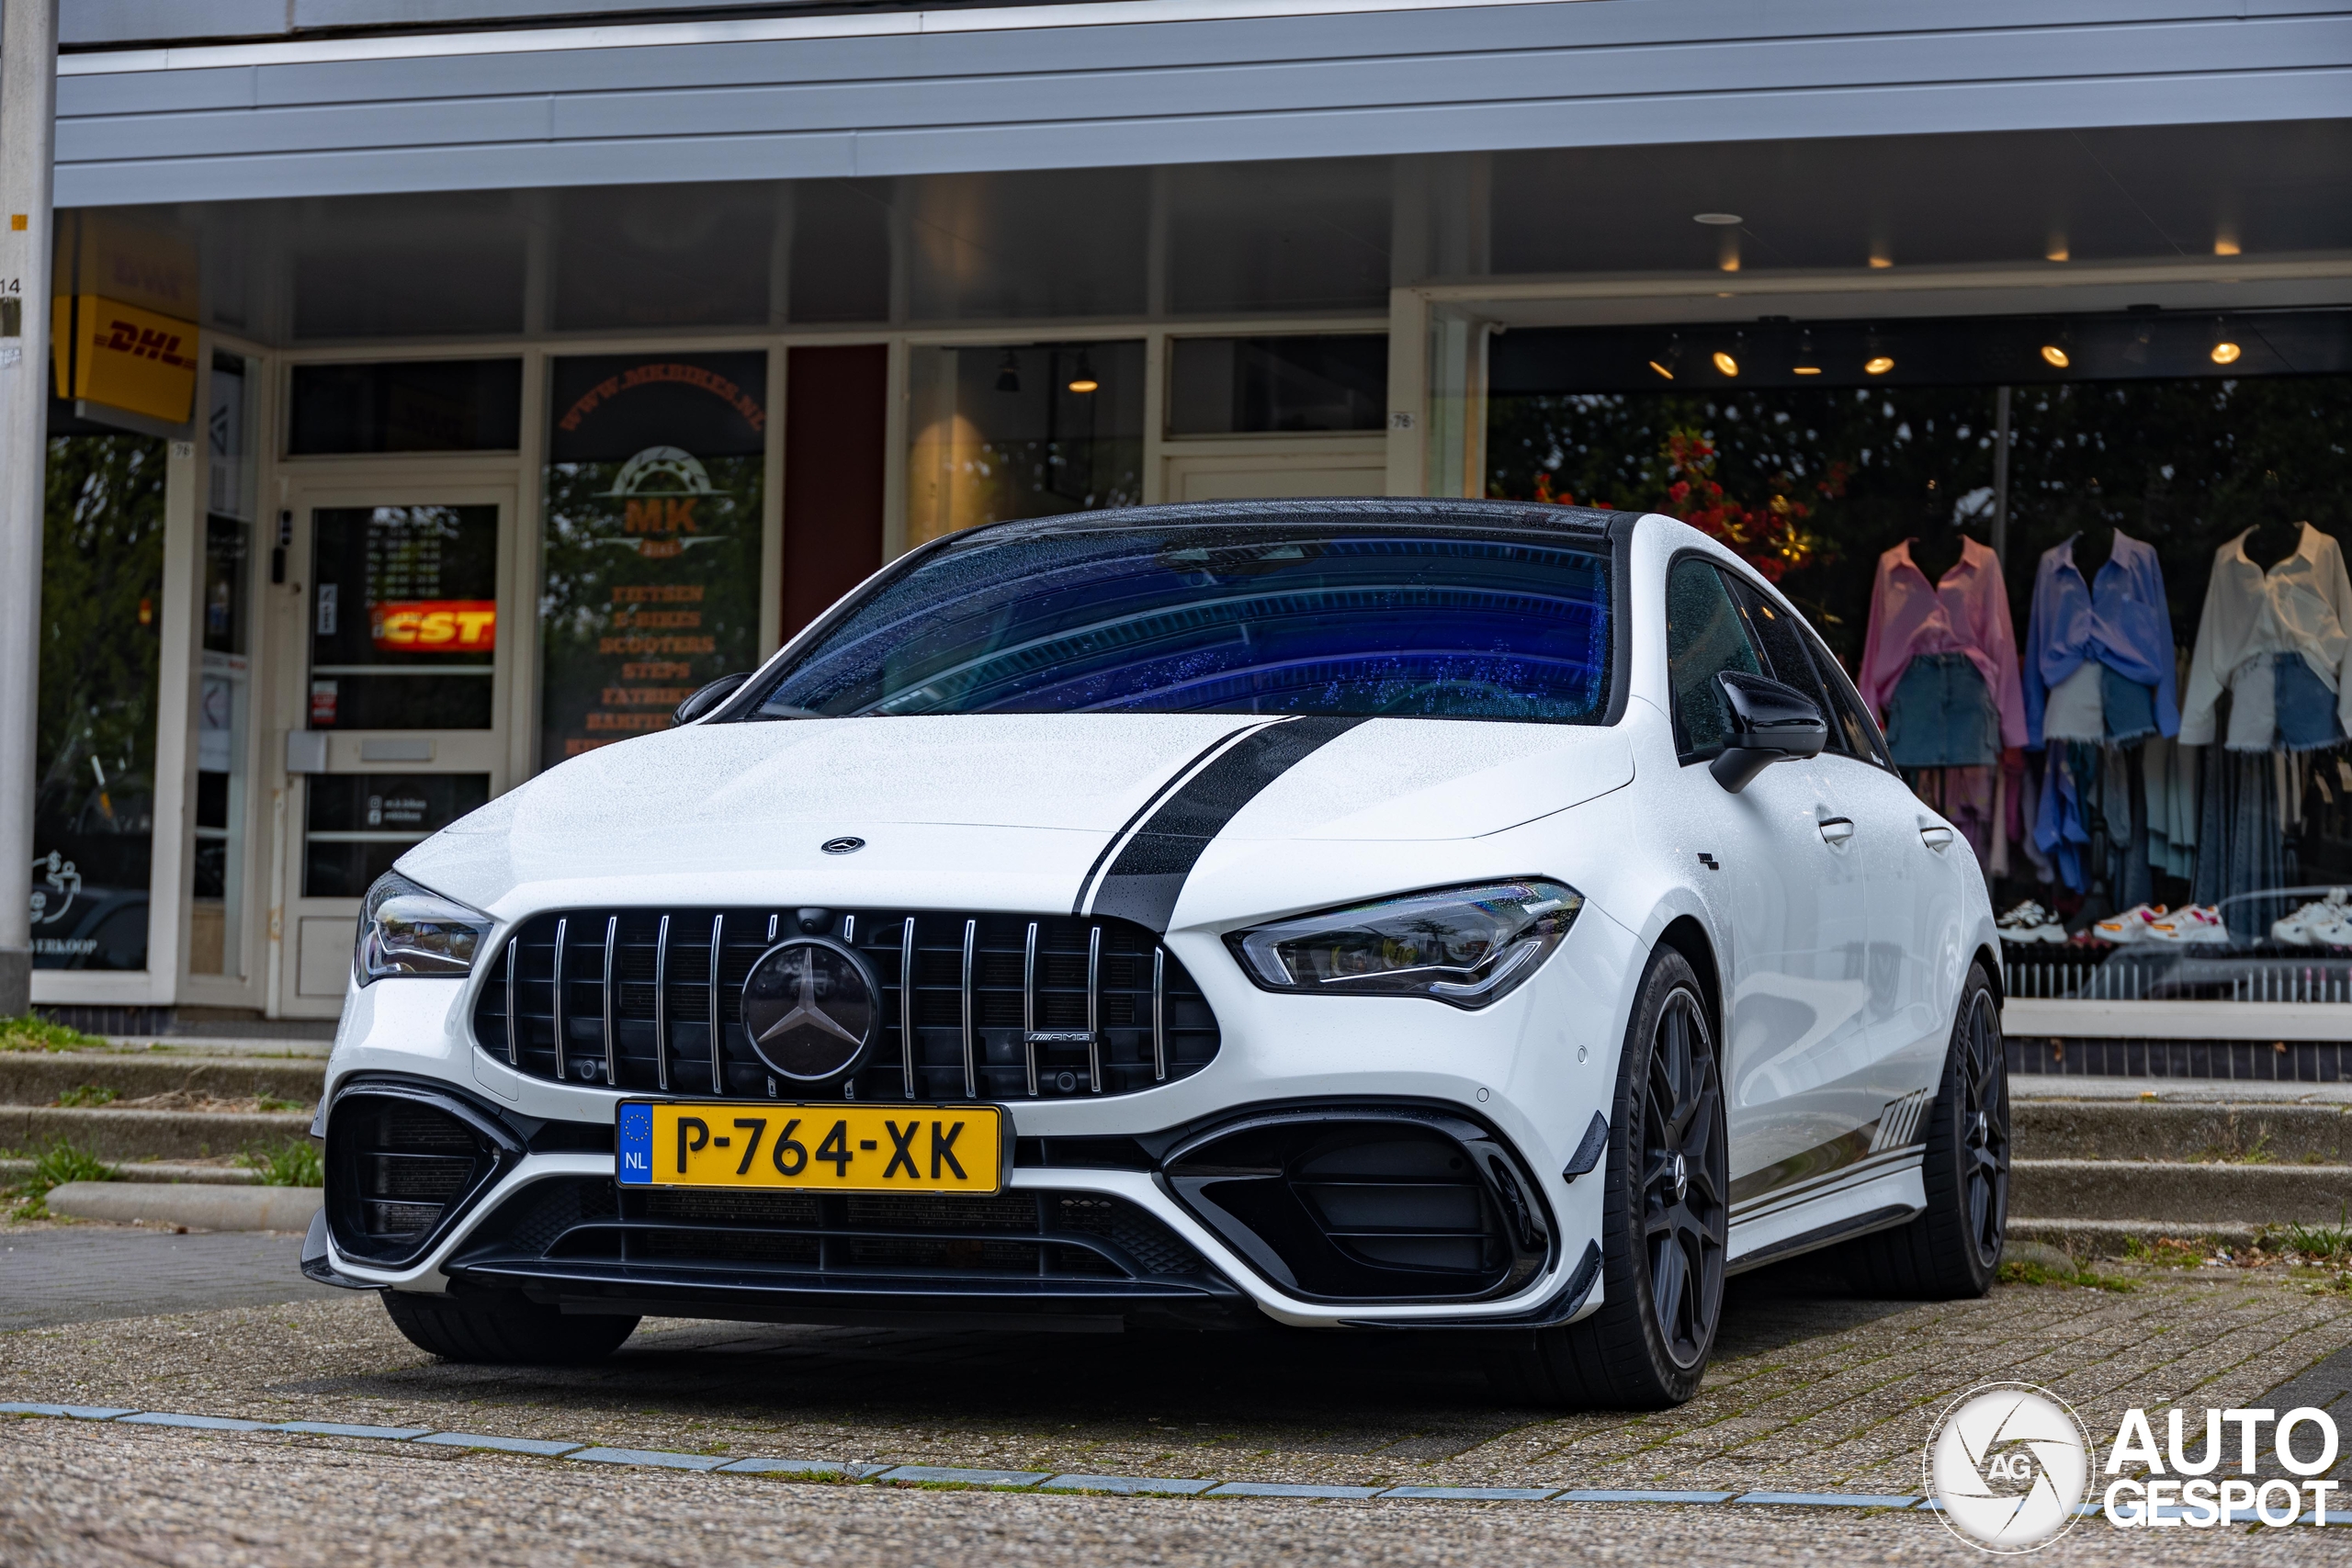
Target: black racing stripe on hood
1150, 867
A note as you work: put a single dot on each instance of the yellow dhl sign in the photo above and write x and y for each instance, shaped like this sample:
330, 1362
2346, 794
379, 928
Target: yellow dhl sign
125, 357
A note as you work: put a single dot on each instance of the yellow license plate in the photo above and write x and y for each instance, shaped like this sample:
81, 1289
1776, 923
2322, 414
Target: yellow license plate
831, 1148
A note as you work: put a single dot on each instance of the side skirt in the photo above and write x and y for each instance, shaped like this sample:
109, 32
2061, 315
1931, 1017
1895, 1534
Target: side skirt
1875, 1201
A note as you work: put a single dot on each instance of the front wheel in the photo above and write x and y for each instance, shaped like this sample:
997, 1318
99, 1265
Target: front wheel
1953, 1249
1666, 1217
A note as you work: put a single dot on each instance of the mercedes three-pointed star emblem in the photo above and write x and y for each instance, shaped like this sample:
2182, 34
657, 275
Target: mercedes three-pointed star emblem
809, 1009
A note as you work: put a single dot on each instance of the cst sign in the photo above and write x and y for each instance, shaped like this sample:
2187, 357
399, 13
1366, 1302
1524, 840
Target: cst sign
434, 626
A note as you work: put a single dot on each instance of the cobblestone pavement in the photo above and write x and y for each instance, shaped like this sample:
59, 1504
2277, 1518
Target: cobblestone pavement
52, 1274
1813, 1390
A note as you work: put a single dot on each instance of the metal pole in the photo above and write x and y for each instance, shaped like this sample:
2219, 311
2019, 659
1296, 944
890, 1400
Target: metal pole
2000, 540
27, 137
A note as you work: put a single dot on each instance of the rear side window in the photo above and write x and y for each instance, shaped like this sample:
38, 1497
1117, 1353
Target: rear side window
1849, 722
1705, 635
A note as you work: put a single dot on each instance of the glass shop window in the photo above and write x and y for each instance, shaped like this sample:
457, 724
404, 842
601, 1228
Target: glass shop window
224, 679
1249, 385
1025, 432
404, 617
357, 825
412, 405
102, 579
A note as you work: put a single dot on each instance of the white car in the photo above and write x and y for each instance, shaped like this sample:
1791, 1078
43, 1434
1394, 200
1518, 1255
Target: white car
1470, 916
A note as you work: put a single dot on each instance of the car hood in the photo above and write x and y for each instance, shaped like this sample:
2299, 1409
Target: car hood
984, 811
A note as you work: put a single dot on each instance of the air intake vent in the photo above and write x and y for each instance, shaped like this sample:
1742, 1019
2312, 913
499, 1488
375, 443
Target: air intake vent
400, 1164
972, 1005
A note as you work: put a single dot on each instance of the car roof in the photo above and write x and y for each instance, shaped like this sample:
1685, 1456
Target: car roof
1589, 522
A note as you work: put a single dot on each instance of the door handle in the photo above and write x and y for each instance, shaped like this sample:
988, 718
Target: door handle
1835, 830
1936, 836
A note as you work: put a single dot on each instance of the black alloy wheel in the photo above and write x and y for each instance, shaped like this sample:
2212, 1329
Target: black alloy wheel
1952, 1249
1665, 1219
1685, 1181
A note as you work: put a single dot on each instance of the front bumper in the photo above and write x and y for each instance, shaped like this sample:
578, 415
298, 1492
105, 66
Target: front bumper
1529, 1072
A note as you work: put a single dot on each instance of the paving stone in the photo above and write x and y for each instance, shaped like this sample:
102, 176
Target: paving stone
1127, 1485
1606, 1495
658, 1459
504, 1445
200, 1423
1472, 1493
1263, 1489
346, 1429
1829, 1499
949, 1474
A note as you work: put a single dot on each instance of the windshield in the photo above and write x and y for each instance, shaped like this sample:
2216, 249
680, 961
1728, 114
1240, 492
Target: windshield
1272, 618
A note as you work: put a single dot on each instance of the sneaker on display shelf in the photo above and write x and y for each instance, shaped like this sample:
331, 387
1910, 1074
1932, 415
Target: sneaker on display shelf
2132, 925
2200, 923
2296, 930
2031, 922
2333, 930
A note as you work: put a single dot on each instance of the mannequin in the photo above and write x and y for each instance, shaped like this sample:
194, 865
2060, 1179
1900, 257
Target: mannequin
2092, 549
1936, 554
2275, 535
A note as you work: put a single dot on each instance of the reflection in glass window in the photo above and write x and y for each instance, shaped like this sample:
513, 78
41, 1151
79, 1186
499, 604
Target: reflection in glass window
224, 679
1705, 636
1028, 431
404, 617
102, 578
1230, 386
1310, 617
357, 825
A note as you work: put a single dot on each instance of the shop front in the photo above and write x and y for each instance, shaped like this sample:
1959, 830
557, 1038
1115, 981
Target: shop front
382, 479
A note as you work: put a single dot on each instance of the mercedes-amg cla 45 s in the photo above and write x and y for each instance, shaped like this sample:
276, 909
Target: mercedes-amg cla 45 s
1479, 917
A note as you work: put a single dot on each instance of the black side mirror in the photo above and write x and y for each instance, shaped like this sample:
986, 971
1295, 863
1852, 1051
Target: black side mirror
718, 692
1770, 722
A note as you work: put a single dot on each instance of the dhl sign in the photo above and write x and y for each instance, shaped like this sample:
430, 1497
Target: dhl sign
434, 625
107, 352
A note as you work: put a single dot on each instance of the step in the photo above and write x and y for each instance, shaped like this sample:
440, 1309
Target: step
2112, 1238
39, 1077
146, 1134
198, 1208
2271, 1131
2171, 1192
16, 1171
293, 1047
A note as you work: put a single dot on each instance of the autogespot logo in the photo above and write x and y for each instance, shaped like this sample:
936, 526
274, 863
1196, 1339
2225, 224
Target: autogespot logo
2009, 1463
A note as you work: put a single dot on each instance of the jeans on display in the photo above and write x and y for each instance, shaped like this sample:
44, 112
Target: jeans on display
2129, 709
2304, 707
1941, 715
2240, 846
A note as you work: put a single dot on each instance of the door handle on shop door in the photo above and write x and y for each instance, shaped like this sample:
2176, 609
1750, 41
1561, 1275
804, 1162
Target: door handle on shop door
1835, 830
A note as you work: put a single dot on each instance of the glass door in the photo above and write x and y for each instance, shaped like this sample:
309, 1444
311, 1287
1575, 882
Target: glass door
402, 723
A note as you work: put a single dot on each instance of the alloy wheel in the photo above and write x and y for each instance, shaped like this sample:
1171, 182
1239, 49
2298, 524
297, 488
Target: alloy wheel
1984, 1126
1685, 1181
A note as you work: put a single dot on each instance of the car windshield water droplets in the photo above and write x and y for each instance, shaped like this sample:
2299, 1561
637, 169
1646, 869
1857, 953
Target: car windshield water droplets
1322, 617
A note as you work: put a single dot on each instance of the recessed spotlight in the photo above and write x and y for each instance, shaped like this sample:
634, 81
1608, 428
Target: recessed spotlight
2057, 252
2225, 244
1661, 370
1725, 363
1877, 364
2056, 355
1718, 220
2226, 353
1083, 381
1807, 370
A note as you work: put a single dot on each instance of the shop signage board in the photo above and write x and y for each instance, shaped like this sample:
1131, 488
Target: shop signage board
651, 555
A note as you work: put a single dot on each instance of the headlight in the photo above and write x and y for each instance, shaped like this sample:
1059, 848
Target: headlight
1468, 946
408, 930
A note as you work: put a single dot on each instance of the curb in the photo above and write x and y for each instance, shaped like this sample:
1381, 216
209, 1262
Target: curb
37, 1078
211, 1207
150, 1170
2105, 1238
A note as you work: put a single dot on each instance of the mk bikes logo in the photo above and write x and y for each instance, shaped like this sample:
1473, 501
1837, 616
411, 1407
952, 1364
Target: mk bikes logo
2009, 1465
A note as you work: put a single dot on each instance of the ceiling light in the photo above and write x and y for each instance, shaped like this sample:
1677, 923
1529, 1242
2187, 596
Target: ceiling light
2056, 250
1718, 220
1008, 374
1725, 363
1806, 356
2056, 355
1084, 381
1661, 370
2226, 353
1882, 261
1877, 364
2225, 244
1807, 369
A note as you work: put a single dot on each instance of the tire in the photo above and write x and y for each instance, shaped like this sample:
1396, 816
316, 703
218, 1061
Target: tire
1953, 1249
1663, 1236
503, 1328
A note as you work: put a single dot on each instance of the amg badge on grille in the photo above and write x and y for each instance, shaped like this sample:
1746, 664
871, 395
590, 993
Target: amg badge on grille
809, 1006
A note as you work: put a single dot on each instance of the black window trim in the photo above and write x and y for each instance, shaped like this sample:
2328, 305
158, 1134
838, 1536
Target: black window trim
1834, 670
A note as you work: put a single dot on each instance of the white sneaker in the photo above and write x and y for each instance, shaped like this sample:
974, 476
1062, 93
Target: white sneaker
2200, 923
2335, 930
2130, 926
2031, 922
2296, 929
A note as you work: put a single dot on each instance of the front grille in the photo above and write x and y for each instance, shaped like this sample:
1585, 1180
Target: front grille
782, 1239
397, 1168
996, 1007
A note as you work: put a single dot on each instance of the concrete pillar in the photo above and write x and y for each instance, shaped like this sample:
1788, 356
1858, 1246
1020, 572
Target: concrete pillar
28, 142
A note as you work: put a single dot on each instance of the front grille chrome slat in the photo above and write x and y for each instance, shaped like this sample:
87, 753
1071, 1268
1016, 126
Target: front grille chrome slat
989, 1006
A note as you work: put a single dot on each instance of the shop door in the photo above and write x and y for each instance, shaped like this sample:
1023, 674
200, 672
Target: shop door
402, 729
1278, 471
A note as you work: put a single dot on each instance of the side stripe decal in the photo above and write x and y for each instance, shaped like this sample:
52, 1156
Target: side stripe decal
1149, 863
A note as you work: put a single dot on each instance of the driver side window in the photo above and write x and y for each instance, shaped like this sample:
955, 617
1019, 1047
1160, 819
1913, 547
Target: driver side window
1705, 636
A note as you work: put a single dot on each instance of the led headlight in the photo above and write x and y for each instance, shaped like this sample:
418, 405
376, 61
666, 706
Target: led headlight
408, 930
1468, 946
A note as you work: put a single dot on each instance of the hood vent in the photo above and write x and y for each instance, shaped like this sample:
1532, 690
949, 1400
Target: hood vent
997, 1007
